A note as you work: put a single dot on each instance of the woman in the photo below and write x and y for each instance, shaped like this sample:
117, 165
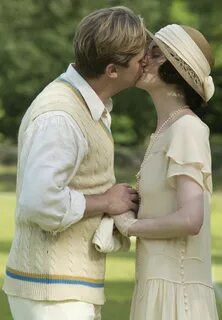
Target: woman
173, 267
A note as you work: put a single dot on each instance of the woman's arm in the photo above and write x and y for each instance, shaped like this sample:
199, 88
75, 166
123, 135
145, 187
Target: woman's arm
187, 220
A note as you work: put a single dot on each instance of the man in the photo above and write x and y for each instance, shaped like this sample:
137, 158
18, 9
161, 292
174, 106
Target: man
65, 174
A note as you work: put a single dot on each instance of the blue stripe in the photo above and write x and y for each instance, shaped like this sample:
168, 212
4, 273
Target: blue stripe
54, 281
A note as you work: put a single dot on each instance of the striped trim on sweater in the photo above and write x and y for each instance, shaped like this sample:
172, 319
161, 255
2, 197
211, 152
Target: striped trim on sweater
51, 279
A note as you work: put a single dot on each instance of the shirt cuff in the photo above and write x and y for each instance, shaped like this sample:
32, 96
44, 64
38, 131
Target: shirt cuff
75, 212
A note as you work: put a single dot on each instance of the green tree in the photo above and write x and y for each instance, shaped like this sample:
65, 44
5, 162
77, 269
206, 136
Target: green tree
36, 46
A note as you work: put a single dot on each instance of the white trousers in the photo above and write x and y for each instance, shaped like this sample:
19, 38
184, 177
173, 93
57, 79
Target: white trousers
25, 309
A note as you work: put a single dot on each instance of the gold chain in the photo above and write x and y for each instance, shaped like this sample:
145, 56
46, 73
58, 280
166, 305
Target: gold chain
154, 139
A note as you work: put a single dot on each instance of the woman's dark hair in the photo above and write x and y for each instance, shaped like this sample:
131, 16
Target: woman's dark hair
170, 75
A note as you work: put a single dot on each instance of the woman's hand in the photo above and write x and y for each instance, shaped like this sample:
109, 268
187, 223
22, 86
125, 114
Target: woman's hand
124, 221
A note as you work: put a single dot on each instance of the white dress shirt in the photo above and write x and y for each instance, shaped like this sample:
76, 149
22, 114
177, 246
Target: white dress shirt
56, 136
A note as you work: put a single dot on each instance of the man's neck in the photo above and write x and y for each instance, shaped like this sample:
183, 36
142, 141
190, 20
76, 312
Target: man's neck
102, 88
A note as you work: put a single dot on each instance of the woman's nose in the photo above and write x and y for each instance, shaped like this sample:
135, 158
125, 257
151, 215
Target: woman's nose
145, 60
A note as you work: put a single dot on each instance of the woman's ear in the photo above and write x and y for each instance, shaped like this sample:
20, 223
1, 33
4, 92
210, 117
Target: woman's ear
111, 71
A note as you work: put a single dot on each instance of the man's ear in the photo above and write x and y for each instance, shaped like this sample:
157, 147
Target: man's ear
111, 71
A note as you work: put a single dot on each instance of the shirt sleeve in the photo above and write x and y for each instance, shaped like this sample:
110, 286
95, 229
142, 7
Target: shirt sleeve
189, 153
52, 151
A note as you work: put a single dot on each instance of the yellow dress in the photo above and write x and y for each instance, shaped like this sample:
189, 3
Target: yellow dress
173, 276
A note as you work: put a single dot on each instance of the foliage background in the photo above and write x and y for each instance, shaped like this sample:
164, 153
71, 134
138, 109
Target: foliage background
36, 46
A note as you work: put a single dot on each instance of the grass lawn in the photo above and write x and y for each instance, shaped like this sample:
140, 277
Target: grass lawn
120, 267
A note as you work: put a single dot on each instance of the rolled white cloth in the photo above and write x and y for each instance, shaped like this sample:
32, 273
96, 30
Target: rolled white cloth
108, 239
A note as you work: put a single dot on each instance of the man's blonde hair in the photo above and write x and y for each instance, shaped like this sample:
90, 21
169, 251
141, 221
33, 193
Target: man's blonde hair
109, 35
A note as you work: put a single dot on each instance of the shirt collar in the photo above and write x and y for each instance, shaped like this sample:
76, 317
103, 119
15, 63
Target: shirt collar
95, 104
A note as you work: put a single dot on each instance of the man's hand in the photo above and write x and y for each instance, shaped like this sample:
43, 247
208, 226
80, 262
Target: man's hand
121, 198
116, 200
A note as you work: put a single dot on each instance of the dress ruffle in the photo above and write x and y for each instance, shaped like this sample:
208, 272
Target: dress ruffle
165, 300
189, 152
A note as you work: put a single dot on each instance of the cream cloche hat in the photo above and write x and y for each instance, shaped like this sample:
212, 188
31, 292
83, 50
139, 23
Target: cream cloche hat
189, 52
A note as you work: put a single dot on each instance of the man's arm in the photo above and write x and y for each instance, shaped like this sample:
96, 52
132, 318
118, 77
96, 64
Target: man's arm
118, 199
51, 154
52, 151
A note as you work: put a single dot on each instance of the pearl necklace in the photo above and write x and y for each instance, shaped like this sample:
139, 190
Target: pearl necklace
154, 139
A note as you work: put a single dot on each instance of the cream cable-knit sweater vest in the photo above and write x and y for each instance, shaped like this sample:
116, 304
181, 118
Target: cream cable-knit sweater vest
65, 265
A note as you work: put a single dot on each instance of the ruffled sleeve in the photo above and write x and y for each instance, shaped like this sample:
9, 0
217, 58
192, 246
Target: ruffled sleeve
189, 153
